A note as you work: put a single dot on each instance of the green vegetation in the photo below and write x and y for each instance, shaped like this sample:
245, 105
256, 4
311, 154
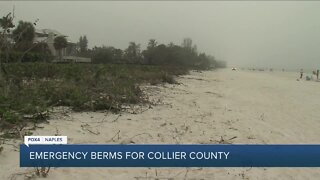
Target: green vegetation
15, 56
83, 44
185, 55
31, 88
30, 85
17, 43
23, 35
60, 42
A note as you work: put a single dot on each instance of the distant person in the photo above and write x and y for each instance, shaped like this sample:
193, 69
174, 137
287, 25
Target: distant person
317, 74
301, 73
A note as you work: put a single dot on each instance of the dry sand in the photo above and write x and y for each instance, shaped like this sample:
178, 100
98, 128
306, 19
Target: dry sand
210, 107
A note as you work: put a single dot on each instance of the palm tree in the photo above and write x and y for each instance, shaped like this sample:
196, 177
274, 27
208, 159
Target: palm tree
60, 42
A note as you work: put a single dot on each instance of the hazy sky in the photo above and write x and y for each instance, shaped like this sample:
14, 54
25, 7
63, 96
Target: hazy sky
253, 33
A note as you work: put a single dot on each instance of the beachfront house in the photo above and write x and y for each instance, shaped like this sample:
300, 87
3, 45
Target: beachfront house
68, 54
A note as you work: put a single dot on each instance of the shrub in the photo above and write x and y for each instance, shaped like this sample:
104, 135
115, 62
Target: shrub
15, 56
31, 88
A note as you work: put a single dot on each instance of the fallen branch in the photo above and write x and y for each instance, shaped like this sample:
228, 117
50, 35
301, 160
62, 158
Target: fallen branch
130, 141
90, 131
233, 137
141, 134
185, 175
43, 171
200, 122
14, 176
116, 118
222, 141
112, 139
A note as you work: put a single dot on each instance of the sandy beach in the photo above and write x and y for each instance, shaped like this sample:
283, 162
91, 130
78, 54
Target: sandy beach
210, 107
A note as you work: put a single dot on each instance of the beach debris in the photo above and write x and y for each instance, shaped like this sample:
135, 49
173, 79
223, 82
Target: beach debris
43, 171
243, 176
87, 127
205, 142
27, 175
57, 132
184, 129
233, 138
37, 116
163, 124
16, 132
136, 109
223, 141
130, 140
127, 141
116, 118
199, 79
185, 175
200, 122
33, 174
156, 118
116, 135
162, 139
228, 122
214, 93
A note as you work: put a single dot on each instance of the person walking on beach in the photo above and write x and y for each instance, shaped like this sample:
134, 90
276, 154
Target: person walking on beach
317, 74
301, 73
